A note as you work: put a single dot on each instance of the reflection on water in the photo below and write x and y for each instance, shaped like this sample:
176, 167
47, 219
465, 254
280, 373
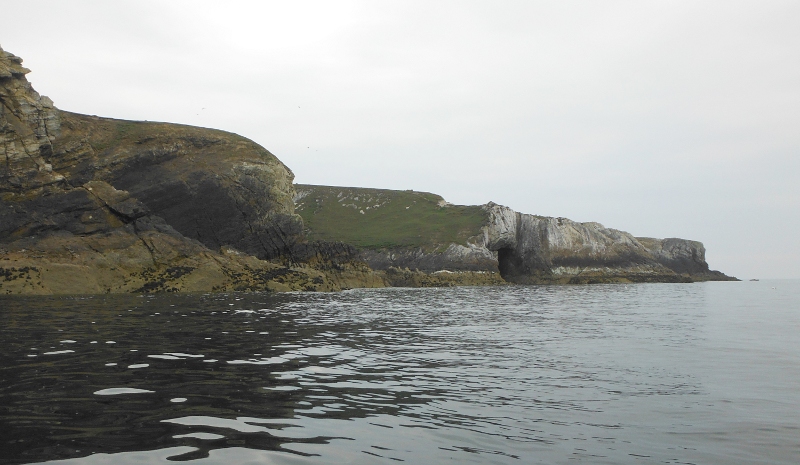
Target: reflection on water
594, 374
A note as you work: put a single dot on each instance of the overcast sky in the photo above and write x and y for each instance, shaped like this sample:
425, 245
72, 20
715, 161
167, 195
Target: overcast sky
663, 119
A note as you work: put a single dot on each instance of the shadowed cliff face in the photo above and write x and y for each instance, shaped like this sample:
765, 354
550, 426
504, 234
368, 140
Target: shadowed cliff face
683, 256
218, 188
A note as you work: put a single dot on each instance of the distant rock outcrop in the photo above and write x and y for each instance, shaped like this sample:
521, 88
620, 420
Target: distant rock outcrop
522, 248
543, 249
683, 256
534, 248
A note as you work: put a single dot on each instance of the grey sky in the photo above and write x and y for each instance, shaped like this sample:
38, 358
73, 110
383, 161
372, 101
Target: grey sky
664, 119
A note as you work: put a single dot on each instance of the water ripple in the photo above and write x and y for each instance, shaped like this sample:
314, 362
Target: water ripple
542, 374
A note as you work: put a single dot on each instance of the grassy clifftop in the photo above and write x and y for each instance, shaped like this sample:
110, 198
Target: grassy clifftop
378, 218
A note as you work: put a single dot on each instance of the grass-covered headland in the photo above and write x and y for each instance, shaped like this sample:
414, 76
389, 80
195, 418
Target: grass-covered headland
383, 218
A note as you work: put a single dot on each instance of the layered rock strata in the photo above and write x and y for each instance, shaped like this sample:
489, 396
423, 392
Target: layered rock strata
683, 256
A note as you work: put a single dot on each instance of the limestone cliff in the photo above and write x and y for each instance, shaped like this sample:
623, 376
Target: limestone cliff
522, 248
543, 249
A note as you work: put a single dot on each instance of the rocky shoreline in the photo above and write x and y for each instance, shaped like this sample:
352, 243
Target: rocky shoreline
96, 205
522, 248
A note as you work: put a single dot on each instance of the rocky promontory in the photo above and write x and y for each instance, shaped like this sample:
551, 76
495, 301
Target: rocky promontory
421, 231
99, 205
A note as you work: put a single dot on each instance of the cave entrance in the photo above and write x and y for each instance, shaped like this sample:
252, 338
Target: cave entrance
509, 263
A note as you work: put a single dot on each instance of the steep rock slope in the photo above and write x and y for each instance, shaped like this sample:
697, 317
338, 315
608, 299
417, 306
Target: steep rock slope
491, 239
216, 187
533, 249
91, 205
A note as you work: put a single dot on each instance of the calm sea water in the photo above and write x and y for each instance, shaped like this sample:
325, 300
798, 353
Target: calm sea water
640, 374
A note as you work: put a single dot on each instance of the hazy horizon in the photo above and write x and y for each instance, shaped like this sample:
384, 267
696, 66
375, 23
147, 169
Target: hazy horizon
663, 119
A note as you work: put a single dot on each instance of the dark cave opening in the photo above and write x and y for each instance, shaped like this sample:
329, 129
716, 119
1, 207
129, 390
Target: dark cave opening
509, 263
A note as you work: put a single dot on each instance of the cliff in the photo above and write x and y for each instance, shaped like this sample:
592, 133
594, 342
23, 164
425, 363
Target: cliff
684, 257
99, 205
90, 205
420, 231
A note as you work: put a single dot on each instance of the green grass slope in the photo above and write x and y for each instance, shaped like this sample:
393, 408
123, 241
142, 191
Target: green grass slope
382, 218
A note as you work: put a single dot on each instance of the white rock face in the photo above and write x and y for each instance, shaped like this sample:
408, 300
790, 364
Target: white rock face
587, 239
530, 248
469, 253
559, 247
501, 228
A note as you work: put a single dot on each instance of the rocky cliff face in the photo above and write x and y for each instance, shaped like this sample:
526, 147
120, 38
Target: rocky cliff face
522, 248
542, 249
532, 249
91, 205
94, 205
218, 188
682, 256
28, 125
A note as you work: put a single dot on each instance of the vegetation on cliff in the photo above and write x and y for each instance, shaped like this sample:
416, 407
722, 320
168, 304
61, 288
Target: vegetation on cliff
379, 218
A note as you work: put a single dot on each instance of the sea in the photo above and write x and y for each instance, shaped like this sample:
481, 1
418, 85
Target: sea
703, 373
